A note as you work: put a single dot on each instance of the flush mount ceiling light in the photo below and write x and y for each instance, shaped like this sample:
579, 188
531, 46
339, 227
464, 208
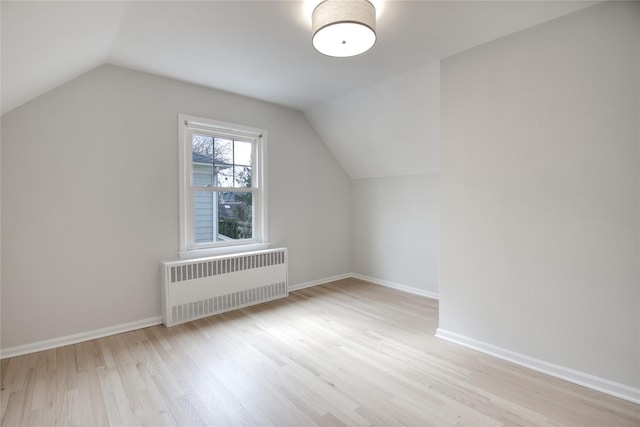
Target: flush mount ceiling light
344, 27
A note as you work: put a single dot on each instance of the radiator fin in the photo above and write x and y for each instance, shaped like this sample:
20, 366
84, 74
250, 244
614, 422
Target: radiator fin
222, 303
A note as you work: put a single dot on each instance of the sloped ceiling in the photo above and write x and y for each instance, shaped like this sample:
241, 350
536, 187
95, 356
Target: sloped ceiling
260, 49
391, 128
45, 44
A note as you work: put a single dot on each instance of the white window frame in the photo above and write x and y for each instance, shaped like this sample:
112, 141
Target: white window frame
188, 247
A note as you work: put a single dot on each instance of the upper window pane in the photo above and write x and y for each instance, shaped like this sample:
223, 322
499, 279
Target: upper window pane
242, 176
202, 158
224, 151
242, 153
224, 175
220, 162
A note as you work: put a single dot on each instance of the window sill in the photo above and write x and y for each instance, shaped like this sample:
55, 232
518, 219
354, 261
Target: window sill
224, 250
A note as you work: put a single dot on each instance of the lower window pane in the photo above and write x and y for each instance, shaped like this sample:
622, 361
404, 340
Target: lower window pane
235, 215
204, 213
222, 216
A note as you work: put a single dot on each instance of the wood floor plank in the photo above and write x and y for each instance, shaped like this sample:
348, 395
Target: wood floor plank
347, 353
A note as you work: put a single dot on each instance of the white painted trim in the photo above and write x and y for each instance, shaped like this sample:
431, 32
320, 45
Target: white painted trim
593, 382
319, 282
397, 286
237, 249
188, 124
157, 320
118, 329
76, 338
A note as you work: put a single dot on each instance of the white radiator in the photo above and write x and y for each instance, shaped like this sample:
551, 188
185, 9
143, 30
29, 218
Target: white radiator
192, 289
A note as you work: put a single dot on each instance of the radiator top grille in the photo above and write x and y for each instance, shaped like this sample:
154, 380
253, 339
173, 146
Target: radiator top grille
200, 269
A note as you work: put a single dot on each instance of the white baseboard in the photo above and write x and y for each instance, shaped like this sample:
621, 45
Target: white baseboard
593, 382
112, 330
76, 338
397, 286
319, 282
157, 320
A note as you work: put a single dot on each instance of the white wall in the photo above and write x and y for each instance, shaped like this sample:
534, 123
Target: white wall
540, 194
387, 138
90, 199
395, 231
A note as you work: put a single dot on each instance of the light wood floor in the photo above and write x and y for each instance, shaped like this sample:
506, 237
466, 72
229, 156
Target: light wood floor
346, 353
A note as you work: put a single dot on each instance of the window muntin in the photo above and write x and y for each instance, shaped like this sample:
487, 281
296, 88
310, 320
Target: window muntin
222, 185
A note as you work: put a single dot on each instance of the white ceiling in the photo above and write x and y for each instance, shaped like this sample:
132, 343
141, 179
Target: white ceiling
260, 49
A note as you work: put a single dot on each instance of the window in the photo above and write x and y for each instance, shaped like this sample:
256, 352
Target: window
222, 197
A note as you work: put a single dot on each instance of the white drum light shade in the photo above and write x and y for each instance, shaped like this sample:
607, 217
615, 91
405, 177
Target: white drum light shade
344, 27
